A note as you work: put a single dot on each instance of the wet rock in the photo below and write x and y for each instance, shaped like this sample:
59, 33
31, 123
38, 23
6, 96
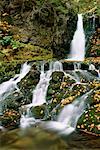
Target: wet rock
68, 66
93, 51
8, 70
40, 112
28, 84
57, 76
10, 119
89, 121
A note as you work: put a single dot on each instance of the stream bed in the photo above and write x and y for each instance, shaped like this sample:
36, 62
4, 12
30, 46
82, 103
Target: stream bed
38, 139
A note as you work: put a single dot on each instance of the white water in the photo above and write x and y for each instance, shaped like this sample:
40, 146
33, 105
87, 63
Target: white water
6, 88
78, 43
39, 94
94, 21
68, 117
92, 67
26, 121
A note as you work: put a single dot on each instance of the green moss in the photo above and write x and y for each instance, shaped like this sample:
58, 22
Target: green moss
8, 70
90, 120
39, 112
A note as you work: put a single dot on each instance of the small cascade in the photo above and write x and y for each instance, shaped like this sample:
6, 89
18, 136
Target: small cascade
77, 66
78, 73
24, 71
75, 76
68, 117
39, 94
57, 66
6, 88
2, 128
78, 43
94, 21
26, 121
92, 68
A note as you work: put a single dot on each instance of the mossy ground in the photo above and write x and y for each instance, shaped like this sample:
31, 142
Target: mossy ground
12, 49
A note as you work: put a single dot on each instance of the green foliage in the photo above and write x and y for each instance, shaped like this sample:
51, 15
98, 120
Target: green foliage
6, 40
39, 2
59, 6
16, 44
85, 6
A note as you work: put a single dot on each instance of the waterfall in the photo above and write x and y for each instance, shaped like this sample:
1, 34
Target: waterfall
77, 66
6, 88
78, 43
68, 117
39, 93
57, 66
94, 22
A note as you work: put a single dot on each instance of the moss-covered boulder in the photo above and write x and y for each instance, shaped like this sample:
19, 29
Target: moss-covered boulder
8, 70
10, 119
40, 112
89, 121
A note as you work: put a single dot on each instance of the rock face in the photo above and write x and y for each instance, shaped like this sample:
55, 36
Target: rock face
47, 24
94, 50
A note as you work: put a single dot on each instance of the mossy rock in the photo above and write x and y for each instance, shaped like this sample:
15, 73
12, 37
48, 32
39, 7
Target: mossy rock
10, 119
57, 76
89, 121
55, 86
8, 70
96, 96
39, 112
69, 80
28, 84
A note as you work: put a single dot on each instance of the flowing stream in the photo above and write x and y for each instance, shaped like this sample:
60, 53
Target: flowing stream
6, 88
10, 86
39, 94
66, 120
68, 117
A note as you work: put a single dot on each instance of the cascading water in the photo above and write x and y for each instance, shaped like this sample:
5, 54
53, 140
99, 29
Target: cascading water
92, 68
78, 72
68, 117
6, 88
78, 43
94, 21
39, 94
77, 69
